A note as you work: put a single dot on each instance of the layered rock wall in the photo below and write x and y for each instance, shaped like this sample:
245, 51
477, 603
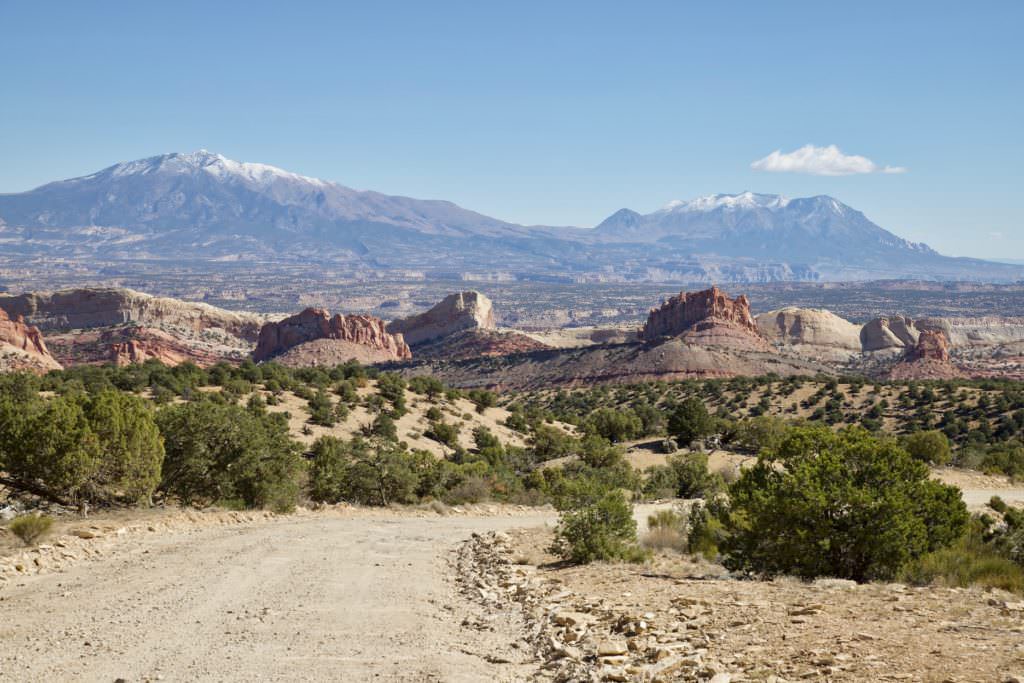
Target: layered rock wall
76, 309
455, 313
314, 324
710, 316
22, 346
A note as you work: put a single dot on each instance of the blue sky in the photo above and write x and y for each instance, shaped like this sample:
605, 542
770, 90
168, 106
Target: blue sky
542, 112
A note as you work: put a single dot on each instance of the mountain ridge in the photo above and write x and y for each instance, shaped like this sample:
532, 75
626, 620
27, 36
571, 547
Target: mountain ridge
205, 206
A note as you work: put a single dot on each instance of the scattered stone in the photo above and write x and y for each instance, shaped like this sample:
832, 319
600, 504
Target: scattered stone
612, 648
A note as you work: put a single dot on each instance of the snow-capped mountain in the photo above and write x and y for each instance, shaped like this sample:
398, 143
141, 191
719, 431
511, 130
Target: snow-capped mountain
204, 206
758, 223
209, 193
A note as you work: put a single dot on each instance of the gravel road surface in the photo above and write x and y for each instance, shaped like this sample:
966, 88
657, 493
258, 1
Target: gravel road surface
314, 599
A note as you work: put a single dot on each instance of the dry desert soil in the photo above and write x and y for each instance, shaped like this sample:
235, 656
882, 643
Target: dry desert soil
347, 594
311, 598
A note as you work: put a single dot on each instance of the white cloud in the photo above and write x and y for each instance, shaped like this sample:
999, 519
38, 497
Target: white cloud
820, 161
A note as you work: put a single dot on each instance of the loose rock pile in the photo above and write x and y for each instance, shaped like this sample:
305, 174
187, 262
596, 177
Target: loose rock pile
581, 640
676, 620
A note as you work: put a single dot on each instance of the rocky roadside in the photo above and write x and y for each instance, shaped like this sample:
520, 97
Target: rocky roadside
591, 627
576, 639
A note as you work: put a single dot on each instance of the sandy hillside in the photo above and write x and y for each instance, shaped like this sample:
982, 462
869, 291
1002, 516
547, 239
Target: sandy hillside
411, 426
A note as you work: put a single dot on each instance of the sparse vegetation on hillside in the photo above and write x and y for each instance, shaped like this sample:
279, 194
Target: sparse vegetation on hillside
982, 420
837, 457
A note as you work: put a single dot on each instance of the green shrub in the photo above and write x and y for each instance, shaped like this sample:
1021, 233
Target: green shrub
131, 446
594, 451
690, 421
483, 399
327, 469
931, 446
220, 452
550, 442
599, 528
321, 410
431, 387
998, 504
614, 425
693, 480
49, 448
31, 528
660, 482
384, 427
705, 531
392, 388
381, 474
759, 432
684, 476
842, 504
444, 433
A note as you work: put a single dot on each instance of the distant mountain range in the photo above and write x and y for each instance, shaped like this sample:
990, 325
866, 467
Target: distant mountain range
205, 206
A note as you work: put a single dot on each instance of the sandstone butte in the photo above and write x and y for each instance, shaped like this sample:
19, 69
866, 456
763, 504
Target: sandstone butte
455, 313
315, 324
707, 317
880, 334
23, 345
927, 359
813, 327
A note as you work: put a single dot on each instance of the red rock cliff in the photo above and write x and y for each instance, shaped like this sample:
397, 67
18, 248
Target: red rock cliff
928, 359
15, 333
696, 311
931, 345
315, 323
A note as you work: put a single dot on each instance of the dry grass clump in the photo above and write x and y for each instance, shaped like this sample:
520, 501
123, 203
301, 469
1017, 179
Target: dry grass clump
968, 563
667, 530
31, 528
439, 507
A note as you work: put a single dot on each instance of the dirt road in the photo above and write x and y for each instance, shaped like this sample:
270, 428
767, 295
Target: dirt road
367, 598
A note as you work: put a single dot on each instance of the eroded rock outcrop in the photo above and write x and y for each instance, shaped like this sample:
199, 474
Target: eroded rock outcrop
363, 337
455, 313
77, 309
931, 345
91, 326
139, 344
126, 344
811, 330
889, 334
927, 359
22, 346
708, 317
